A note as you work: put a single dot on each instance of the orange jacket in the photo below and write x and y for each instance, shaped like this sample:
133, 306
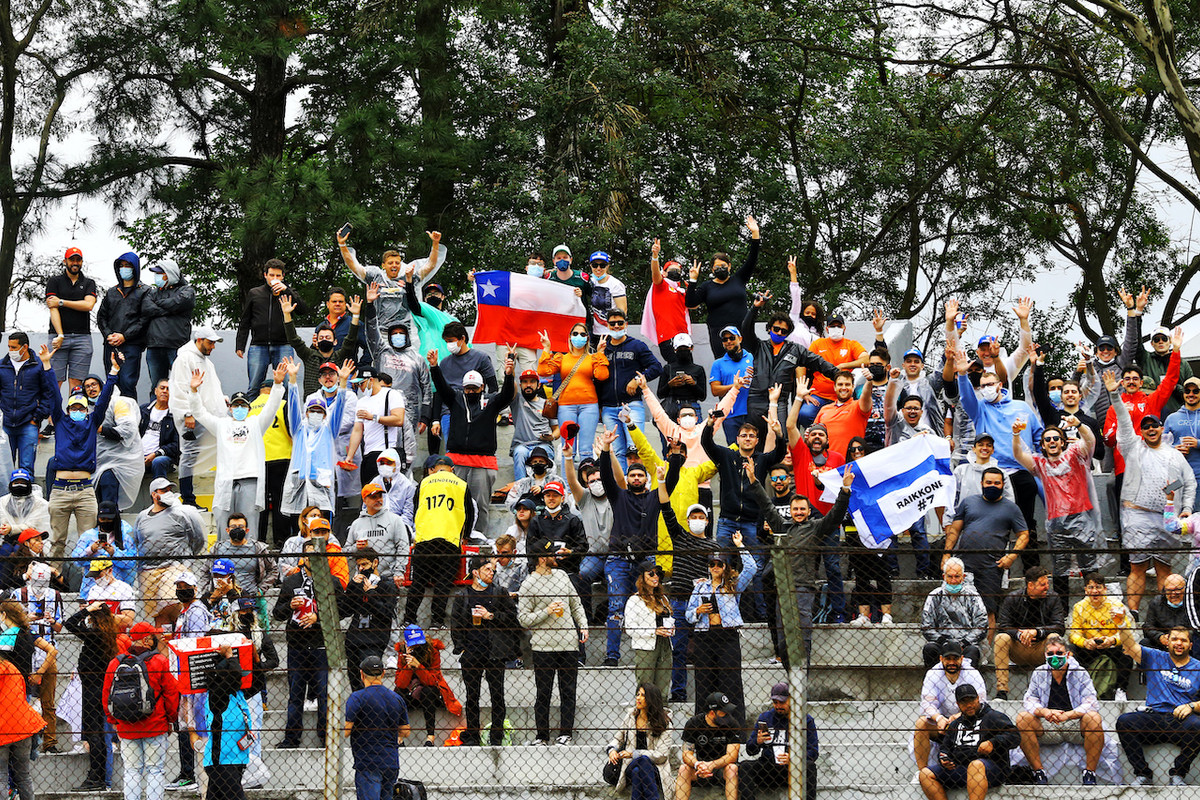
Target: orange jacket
18, 720
582, 388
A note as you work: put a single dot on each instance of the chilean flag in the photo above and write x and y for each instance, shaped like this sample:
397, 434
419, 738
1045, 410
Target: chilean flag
515, 309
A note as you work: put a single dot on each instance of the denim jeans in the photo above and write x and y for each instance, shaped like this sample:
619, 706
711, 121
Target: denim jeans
14, 762
144, 760
643, 779
158, 364
624, 442
587, 415
260, 357
160, 467
808, 411
920, 546
23, 439
749, 530
375, 784
618, 575
730, 426
833, 573
306, 667
519, 454
131, 367
679, 646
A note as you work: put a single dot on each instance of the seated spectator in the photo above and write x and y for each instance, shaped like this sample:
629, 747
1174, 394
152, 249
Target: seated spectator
769, 741
1061, 708
683, 382
23, 507
710, 749
111, 539
953, 612
160, 437
419, 679
222, 594
644, 740
1097, 644
1027, 617
399, 490
539, 470
976, 749
938, 706
1167, 611
511, 571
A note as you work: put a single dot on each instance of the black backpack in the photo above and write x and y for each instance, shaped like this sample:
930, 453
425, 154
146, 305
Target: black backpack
132, 698
409, 790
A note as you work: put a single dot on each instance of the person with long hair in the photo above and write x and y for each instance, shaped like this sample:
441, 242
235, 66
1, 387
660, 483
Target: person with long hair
713, 610
419, 678
643, 740
227, 747
872, 576
19, 723
96, 628
651, 624
579, 370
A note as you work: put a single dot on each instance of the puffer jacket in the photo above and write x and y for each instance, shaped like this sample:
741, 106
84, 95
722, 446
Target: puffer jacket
168, 311
121, 309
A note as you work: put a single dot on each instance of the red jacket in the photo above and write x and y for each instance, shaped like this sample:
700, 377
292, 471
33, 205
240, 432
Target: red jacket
1140, 405
166, 689
427, 676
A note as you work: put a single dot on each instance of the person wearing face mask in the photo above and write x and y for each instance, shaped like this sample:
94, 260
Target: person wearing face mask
254, 567
805, 312
531, 430
112, 539
665, 312
121, 322
725, 292
26, 397
844, 354
580, 372
399, 490
463, 359
310, 478
593, 507
188, 618
120, 462
195, 441
444, 517
630, 362
582, 283
877, 384
539, 465
969, 474
683, 383
482, 620
325, 349
381, 423
383, 531
23, 507
107, 589
402, 367
471, 441
166, 535
1106, 356
70, 298
953, 612
167, 307
262, 323
307, 664
241, 455
43, 605
73, 493
369, 600
429, 315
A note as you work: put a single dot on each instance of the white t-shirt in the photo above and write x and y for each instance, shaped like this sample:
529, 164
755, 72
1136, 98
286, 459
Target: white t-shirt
374, 432
152, 438
118, 595
603, 298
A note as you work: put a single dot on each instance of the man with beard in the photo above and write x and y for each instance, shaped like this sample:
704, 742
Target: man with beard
326, 346
191, 357
70, 298
531, 430
938, 707
976, 749
263, 323
26, 395
843, 417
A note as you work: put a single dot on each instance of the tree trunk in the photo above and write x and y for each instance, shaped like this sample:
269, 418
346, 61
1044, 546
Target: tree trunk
435, 89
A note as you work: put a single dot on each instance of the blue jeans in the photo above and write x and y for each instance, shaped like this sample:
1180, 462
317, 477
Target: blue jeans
260, 357
161, 466
643, 779
587, 415
519, 454
808, 411
749, 530
306, 667
833, 574
23, 439
679, 646
591, 569
108, 488
158, 363
375, 784
144, 760
920, 546
624, 442
618, 575
131, 367
730, 426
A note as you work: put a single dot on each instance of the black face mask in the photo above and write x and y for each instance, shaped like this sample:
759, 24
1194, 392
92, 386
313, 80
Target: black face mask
20, 489
185, 595
529, 393
721, 273
237, 534
992, 493
538, 468
674, 275
474, 399
325, 347
683, 355
878, 371
435, 300
106, 525
811, 322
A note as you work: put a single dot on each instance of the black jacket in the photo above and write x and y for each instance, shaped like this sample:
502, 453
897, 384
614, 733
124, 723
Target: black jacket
1052, 415
168, 434
562, 527
771, 368
1019, 611
370, 612
121, 309
805, 539
736, 502
297, 637
499, 633
1159, 618
263, 317
962, 739
472, 431
635, 519
168, 311
689, 554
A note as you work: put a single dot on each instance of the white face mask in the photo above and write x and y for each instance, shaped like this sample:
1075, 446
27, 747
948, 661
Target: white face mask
697, 525
167, 498
687, 422
1106, 361
596, 488
387, 470
452, 347
990, 393
836, 334
315, 418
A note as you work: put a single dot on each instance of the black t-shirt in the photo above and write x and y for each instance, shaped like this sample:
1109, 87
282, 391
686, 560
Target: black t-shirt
1060, 698
710, 742
60, 286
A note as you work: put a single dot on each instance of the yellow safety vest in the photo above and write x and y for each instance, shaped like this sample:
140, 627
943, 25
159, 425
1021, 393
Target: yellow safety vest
441, 509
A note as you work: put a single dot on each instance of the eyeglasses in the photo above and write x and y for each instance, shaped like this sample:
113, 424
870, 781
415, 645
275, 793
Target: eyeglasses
779, 329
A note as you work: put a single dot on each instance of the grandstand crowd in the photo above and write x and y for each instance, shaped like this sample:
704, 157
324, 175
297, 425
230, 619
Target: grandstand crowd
373, 446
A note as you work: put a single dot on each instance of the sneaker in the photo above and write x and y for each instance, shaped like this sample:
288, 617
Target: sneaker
428, 743
1089, 778
540, 743
563, 740
1039, 778
184, 784
610, 662
390, 661
1120, 696
886, 619
47, 431
310, 705
1177, 780
678, 697
516, 663
860, 622
1002, 694
1142, 780
91, 786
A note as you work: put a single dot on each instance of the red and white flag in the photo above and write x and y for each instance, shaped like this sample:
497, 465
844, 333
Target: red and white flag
515, 309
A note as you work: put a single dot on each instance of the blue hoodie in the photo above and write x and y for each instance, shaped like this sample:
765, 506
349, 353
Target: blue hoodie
75, 442
997, 419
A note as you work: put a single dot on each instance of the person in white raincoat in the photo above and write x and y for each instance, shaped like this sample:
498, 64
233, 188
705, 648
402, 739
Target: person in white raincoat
197, 447
241, 480
310, 478
119, 449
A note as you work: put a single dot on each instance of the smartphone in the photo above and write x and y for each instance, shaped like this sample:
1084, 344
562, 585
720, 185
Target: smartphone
1173, 486
717, 413
102, 538
762, 726
679, 373
344, 231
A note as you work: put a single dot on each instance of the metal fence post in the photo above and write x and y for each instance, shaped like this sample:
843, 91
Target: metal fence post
793, 638
335, 654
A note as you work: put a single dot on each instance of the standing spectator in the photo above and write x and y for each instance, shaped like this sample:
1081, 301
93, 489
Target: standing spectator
277, 444
1157, 361
732, 372
376, 724
843, 417
160, 437
651, 624
710, 748
121, 322
969, 474
595, 511
557, 524
96, 627
444, 516
724, 293
167, 308
845, 355
644, 740
241, 480
428, 315
191, 357
471, 441
1094, 635
166, 535
578, 280
608, 293
1183, 425
461, 361
253, 563
338, 319
953, 612
716, 621
628, 357
380, 423
549, 608
27, 395
326, 349
189, 618
43, 604
307, 665
144, 738
119, 458
369, 600
262, 323
1056, 408
665, 313
380, 529
70, 297
111, 539
18, 725
531, 429
314, 428
115, 594
576, 395
419, 679
483, 620
769, 741
227, 714
403, 367
806, 312
1027, 617
72, 493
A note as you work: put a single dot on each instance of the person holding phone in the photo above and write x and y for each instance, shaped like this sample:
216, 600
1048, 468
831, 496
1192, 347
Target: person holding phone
769, 741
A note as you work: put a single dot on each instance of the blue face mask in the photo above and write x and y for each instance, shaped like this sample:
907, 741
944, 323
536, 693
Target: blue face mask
126, 273
160, 280
399, 341
952, 588
578, 340
239, 412
562, 264
1056, 396
329, 389
535, 270
777, 338
1175, 605
77, 415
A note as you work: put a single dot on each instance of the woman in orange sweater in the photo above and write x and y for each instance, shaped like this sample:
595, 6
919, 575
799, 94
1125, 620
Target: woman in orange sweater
577, 399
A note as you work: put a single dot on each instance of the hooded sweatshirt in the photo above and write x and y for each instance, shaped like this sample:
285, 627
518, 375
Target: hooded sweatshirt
997, 419
121, 309
168, 311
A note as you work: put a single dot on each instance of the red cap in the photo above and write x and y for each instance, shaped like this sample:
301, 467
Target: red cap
529, 373
72, 252
27, 534
554, 486
371, 488
141, 629
328, 365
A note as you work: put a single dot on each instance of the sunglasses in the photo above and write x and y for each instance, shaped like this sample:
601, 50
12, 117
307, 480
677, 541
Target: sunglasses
1052, 438
1159, 339
779, 329
857, 449
728, 338
779, 478
616, 323
1192, 390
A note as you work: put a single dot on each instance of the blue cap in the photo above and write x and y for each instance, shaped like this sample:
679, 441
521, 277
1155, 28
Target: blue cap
413, 635
730, 329
222, 566
600, 255
20, 475
914, 351
987, 338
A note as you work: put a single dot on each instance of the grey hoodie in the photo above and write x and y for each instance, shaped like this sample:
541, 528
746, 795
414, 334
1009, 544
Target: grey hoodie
168, 310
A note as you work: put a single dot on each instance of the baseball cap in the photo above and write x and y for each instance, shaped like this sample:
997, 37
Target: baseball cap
1161, 331
99, 565
525, 502
818, 426
319, 522
693, 508
543, 548
371, 488
141, 629
952, 649
1106, 341
554, 486
388, 454
432, 287
366, 373
730, 329
222, 566
240, 397
107, 510
19, 475
437, 460
31, 533
987, 338
650, 565
718, 558
562, 248
245, 604
315, 402
371, 665
205, 332
1192, 380
719, 701
188, 577
77, 398
158, 484
835, 319
413, 635
779, 691
965, 691
328, 365
600, 255
982, 436
472, 378
682, 340
529, 373
914, 351
72, 252
1150, 421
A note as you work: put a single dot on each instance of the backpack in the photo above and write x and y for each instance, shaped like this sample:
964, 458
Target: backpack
132, 698
409, 790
